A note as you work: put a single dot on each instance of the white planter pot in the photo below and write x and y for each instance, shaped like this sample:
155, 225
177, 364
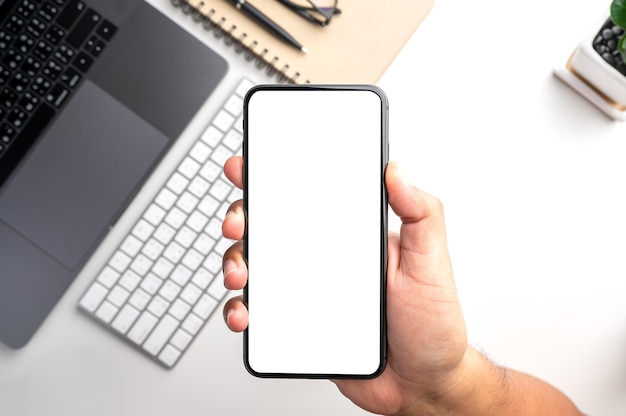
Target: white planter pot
597, 80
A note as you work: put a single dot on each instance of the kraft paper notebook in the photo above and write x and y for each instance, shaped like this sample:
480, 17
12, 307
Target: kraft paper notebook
356, 47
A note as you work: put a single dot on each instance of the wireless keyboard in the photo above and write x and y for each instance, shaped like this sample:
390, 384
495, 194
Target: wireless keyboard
164, 280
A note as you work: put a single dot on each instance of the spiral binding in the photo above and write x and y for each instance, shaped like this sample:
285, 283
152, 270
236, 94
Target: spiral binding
239, 45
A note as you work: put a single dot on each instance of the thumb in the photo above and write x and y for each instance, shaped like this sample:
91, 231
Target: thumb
423, 231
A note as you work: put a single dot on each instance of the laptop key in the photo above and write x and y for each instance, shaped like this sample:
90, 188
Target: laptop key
83, 62
57, 95
48, 11
70, 77
83, 28
8, 98
7, 133
70, 13
106, 30
54, 35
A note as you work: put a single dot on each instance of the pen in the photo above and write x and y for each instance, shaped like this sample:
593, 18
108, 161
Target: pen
265, 21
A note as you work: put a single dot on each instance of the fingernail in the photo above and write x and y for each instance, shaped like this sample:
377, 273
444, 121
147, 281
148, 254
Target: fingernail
228, 315
229, 267
400, 173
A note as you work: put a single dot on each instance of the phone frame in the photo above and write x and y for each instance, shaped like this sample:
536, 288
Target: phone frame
384, 153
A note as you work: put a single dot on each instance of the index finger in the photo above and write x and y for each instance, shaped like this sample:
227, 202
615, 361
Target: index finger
233, 169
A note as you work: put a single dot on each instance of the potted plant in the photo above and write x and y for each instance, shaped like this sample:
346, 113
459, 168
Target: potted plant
597, 68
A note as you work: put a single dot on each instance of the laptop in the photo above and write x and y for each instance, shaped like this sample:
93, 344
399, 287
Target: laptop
92, 95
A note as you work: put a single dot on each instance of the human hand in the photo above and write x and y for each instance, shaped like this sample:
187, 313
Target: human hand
426, 332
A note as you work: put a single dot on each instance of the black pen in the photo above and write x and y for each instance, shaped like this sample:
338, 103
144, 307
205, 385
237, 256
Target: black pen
265, 21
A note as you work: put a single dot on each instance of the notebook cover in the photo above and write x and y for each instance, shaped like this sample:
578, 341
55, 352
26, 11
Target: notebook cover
356, 47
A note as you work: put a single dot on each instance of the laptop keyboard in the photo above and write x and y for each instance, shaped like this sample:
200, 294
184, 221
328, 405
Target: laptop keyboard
45, 48
164, 281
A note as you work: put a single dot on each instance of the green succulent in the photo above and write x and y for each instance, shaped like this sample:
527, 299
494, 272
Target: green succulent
618, 15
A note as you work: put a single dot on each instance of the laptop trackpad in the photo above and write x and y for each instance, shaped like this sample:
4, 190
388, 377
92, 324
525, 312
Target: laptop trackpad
74, 185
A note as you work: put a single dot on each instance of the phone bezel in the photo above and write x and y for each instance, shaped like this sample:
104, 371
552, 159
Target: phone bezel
384, 152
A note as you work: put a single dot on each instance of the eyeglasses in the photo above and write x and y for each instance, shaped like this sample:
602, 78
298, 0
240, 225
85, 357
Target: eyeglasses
316, 11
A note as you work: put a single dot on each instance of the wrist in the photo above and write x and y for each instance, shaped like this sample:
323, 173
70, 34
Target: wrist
473, 385
478, 387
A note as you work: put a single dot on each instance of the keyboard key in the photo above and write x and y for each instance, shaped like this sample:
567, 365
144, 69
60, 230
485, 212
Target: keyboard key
187, 202
202, 278
180, 340
70, 77
233, 140
162, 268
125, 318
180, 275
143, 230
223, 121
71, 13
83, 62
142, 327
169, 290
205, 306
106, 311
192, 260
164, 233
158, 306
212, 136
151, 284
179, 309
139, 299
190, 294
94, 295
234, 105
192, 324
166, 199
54, 35
106, 30
120, 261
130, 280
189, 167
83, 28
57, 95
48, 11
154, 214
131, 245
185, 237
108, 277
161, 334
169, 355
94, 46
118, 296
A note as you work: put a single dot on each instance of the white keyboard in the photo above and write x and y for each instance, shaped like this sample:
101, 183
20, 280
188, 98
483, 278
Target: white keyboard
165, 279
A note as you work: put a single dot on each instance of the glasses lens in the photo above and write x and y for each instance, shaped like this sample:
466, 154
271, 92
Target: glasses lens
319, 11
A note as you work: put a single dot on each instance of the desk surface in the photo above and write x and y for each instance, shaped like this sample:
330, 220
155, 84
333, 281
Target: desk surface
531, 177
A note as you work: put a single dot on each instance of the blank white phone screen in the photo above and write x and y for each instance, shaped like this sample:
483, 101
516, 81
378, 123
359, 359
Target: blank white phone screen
314, 197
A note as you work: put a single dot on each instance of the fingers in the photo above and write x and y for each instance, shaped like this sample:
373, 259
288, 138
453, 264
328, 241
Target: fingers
236, 314
233, 169
234, 223
234, 268
235, 278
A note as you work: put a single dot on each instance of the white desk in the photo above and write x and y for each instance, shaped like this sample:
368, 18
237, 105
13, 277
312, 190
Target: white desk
532, 179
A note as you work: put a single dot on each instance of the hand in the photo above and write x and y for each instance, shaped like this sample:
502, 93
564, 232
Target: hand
426, 332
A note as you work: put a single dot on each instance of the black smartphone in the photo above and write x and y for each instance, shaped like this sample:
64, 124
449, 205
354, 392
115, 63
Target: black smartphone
316, 232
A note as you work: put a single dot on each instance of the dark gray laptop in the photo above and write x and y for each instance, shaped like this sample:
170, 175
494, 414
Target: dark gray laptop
92, 94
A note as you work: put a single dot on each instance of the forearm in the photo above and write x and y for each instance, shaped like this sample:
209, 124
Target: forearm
483, 389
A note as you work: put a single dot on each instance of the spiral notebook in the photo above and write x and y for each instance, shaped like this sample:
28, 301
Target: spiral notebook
356, 47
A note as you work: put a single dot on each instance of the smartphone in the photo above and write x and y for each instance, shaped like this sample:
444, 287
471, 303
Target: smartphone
316, 231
